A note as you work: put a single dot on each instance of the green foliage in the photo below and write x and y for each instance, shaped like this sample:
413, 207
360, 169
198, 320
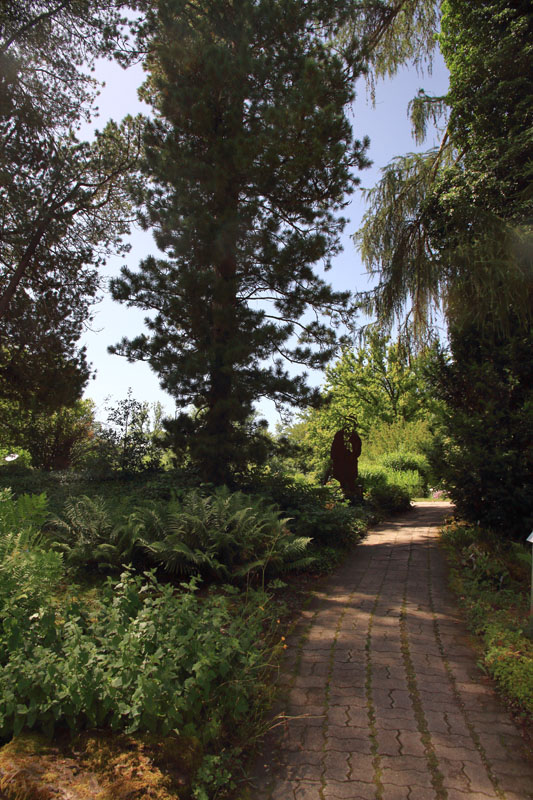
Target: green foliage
249, 158
381, 390
27, 572
491, 577
90, 535
483, 453
319, 512
130, 442
145, 659
224, 536
52, 438
405, 460
388, 490
450, 229
63, 202
20, 464
384, 438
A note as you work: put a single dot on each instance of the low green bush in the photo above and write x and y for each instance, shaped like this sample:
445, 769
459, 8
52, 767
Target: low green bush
378, 475
28, 573
388, 498
318, 512
404, 460
224, 536
415, 464
146, 659
490, 576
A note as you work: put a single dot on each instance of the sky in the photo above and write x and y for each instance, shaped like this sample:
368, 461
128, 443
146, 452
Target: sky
385, 122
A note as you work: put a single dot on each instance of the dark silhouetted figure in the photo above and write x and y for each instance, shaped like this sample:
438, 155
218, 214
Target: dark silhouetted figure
345, 450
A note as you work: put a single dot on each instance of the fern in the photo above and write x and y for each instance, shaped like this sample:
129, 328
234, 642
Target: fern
224, 536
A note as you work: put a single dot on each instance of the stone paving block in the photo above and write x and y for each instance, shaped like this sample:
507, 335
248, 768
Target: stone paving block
298, 758
346, 695
454, 753
445, 740
479, 779
438, 722
405, 777
403, 762
357, 716
350, 745
391, 792
337, 766
283, 791
306, 790
456, 794
400, 699
362, 767
313, 739
419, 793
453, 774
393, 721
304, 772
338, 715
389, 743
457, 724
519, 784
351, 790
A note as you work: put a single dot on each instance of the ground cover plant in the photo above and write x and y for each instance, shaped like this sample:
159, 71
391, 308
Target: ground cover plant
141, 656
491, 577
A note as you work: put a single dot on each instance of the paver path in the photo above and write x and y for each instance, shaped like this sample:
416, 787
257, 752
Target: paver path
384, 699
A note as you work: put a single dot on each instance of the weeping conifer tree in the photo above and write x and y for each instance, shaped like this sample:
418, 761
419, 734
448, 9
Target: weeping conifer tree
249, 159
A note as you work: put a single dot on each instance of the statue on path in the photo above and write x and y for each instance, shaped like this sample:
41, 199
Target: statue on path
345, 450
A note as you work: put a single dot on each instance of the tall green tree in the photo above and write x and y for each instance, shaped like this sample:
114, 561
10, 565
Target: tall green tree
484, 452
250, 157
378, 387
64, 205
450, 229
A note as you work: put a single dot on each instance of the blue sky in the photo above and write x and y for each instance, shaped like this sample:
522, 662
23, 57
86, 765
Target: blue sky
389, 129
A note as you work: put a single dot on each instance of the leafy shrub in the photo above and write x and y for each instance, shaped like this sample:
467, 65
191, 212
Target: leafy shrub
319, 512
90, 536
28, 574
226, 536
388, 497
147, 659
491, 578
404, 461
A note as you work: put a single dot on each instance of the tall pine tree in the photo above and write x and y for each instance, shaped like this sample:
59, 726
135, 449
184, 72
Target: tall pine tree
249, 159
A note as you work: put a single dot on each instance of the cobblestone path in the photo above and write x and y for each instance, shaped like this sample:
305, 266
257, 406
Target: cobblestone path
384, 700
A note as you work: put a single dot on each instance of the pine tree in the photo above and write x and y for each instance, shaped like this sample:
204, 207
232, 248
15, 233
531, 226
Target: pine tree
249, 160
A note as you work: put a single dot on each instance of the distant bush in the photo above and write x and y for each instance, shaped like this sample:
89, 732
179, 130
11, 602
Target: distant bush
400, 460
390, 489
388, 497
